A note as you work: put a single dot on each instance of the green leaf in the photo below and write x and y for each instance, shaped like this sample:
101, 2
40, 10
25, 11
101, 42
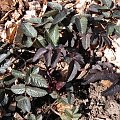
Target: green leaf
76, 116
50, 13
55, 5
23, 103
27, 77
86, 41
18, 74
75, 109
116, 14
106, 14
18, 89
117, 30
35, 70
35, 92
68, 112
4, 67
54, 95
28, 30
36, 20
38, 80
47, 26
81, 24
28, 43
107, 2
63, 99
53, 35
104, 8
77, 23
3, 56
41, 40
8, 80
110, 29
39, 117
2, 95
5, 100
31, 117
69, 115
64, 117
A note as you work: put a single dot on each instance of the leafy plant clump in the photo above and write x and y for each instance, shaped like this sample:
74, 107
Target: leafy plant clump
45, 51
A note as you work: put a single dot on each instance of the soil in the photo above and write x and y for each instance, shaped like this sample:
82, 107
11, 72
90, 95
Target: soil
97, 107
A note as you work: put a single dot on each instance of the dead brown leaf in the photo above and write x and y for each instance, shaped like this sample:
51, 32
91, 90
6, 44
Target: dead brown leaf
9, 32
106, 83
61, 107
6, 5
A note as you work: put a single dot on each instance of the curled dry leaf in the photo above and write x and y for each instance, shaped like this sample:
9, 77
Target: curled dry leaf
9, 32
106, 83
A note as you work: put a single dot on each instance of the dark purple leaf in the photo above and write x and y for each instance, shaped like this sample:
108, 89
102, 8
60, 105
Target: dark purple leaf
78, 57
101, 75
55, 58
63, 51
39, 53
78, 65
107, 65
49, 47
101, 42
59, 85
107, 40
48, 57
113, 89
86, 41
94, 40
94, 8
72, 71
60, 16
94, 71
